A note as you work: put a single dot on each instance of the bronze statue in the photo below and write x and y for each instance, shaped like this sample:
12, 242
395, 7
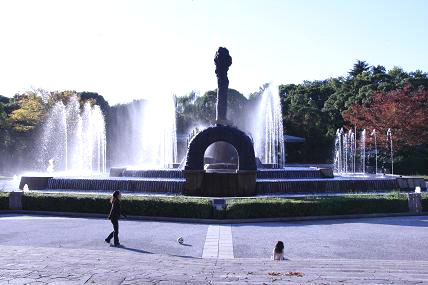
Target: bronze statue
222, 62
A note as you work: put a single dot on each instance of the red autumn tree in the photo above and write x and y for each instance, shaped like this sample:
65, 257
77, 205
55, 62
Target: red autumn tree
405, 111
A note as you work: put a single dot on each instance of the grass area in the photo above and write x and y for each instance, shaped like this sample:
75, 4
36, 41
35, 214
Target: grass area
4, 201
182, 207
322, 206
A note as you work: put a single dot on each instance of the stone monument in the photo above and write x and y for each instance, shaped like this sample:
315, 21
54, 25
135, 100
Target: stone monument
222, 62
219, 182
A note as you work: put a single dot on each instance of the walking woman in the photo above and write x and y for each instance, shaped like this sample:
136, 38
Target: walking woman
114, 216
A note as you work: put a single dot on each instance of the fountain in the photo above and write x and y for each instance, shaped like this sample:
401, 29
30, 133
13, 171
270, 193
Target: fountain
159, 136
345, 152
363, 151
74, 140
373, 134
148, 129
144, 137
221, 181
51, 167
268, 131
389, 139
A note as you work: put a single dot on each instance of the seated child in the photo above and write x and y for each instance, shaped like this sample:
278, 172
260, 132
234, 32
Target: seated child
278, 251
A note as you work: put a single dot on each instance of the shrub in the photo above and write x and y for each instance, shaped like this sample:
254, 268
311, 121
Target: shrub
425, 202
132, 205
66, 203
181, 207
325, 206
186, 207
4, 201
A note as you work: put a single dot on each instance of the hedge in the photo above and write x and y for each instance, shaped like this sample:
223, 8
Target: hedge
187, 207
425, 202
4, 201
325, 206
132, 205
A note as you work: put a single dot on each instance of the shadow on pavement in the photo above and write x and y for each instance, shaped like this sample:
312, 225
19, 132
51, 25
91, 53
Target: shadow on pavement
136, 250
148, 252
184, 256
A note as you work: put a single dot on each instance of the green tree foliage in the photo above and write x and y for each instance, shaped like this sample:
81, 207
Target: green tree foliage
21, 119
29, 114
405, 112
304, 116
95, 98
193, 110
359, 68
314, 109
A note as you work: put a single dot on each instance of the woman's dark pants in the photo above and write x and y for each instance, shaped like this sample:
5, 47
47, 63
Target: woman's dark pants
115, 232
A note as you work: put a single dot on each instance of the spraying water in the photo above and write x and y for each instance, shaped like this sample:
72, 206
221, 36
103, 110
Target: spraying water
74, 140
53, 145
144, 134
363, 151
159, 134
338, 151
389, 139
345, 151
268, 131
51, 167
373, 134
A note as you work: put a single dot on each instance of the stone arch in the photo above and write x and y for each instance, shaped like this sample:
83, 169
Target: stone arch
238, 139
221, 152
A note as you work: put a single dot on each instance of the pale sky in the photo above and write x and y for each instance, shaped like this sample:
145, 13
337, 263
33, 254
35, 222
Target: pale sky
128, 50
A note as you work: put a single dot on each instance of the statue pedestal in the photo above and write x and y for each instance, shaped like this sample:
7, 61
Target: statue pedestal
34, 182
247, 182
193, 184
220, 183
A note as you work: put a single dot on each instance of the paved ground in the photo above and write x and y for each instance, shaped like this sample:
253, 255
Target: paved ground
55, 250
395, 238
32, 265
145, 236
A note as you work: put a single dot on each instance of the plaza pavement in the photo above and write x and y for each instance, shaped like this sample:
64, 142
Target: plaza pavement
58, 250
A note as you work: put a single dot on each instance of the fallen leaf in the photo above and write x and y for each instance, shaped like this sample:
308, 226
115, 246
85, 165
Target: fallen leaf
297, 274
274, 273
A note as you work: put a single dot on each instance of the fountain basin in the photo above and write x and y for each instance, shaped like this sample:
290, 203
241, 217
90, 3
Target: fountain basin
34, 182
290, 180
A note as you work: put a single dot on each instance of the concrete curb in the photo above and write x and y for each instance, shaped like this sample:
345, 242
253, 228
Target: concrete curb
212, 221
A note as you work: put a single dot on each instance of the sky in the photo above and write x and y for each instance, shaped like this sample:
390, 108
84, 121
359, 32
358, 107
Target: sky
127, 50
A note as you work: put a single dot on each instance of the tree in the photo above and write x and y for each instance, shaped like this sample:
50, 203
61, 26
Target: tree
359, 67
97, 99
29, 114
403, 110
195, 111
303, 115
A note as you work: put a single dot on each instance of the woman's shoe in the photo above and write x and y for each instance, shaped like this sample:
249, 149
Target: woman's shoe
107, 240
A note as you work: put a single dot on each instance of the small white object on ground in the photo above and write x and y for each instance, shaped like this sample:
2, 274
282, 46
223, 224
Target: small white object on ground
180, 240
